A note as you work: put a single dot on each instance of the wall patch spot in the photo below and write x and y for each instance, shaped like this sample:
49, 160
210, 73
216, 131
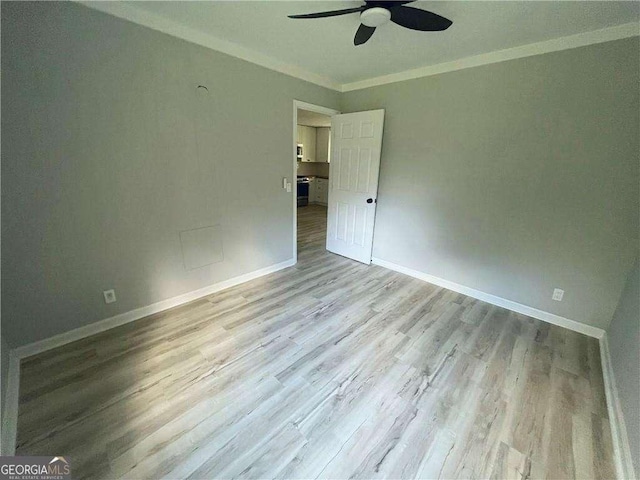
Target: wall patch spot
201, 246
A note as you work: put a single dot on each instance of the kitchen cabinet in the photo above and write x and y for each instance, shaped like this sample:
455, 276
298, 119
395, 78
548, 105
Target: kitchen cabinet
307, 137
316, 144
319, 191
323, 191
323, 144
313, 190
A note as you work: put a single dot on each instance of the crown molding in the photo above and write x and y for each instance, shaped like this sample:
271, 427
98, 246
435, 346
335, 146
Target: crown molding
618, 32
156, 22
175, 29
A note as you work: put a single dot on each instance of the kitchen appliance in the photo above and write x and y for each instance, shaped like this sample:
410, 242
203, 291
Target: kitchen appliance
303, 191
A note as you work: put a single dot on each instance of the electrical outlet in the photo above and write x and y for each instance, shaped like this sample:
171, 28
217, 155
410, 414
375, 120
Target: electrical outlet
557, 294
109, 296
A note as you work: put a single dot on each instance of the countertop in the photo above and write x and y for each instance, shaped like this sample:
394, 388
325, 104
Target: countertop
313, 176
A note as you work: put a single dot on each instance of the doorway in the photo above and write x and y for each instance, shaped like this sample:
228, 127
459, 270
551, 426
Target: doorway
312, 171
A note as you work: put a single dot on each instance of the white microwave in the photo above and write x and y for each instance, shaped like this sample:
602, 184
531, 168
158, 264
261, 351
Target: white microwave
299, 151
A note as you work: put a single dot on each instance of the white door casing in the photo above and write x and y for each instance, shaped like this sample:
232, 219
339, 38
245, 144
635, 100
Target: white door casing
356, 141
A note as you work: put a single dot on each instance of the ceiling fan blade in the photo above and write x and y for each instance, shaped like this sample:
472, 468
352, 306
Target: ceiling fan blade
332, 13
417, 19
363, 34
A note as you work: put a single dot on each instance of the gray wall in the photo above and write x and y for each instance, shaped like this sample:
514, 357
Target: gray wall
624, 345
108, 152
4, 371
516, 178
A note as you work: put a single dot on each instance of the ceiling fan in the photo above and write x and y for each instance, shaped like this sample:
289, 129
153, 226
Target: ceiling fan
376, 13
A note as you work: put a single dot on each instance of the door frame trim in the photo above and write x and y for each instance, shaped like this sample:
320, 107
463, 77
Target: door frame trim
299, 104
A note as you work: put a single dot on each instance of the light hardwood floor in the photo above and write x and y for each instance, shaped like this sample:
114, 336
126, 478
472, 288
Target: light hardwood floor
329, 369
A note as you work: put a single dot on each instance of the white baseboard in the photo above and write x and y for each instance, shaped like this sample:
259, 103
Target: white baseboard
10, 418
133, 315
621, 447
494, 300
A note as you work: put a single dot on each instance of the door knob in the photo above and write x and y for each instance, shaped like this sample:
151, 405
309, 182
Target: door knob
369, 200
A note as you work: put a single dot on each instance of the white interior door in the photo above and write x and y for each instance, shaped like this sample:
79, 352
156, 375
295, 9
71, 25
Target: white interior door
356, 139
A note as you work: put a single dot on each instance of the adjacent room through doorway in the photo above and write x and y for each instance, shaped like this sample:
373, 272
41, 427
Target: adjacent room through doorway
313, 160
340, 201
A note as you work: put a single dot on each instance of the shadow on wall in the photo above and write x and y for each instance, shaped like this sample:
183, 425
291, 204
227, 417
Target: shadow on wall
108, 155
624, 345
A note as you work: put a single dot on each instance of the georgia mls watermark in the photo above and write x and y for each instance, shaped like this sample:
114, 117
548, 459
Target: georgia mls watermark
34, 468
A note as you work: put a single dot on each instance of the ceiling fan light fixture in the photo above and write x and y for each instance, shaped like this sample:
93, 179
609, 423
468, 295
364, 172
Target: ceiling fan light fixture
384, 11
375, 17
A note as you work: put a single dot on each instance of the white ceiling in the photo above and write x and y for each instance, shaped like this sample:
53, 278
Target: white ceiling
313, 119
323, 49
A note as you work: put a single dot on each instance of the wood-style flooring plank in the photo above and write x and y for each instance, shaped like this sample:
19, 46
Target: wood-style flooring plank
328, 369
